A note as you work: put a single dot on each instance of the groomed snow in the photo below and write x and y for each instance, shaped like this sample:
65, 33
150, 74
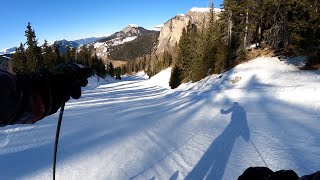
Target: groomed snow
138, 128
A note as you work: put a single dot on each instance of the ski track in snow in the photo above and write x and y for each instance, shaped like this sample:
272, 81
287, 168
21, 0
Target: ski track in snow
138, 128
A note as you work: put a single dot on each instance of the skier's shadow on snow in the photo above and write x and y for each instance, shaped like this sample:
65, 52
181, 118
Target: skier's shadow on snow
213, 163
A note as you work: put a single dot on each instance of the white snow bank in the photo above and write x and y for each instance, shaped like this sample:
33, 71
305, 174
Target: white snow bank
141, 75
161, 79
95, 81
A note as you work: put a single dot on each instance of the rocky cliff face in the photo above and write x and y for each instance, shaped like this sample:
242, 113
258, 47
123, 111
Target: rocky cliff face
172, 30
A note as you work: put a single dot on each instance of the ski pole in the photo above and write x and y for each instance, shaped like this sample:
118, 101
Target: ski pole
57, 139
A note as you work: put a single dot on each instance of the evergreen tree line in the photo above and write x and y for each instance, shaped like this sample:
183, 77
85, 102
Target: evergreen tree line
34, 57
87, 57
290, 27
114, 72
151, 64
200, 52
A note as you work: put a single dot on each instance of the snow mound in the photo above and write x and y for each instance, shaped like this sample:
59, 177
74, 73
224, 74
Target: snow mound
161, 79
141, 75
269, 71
95, 81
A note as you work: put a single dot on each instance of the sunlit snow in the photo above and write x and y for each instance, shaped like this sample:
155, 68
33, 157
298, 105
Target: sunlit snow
261, 113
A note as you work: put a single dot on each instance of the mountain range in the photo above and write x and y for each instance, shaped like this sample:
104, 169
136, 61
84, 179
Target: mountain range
134, 38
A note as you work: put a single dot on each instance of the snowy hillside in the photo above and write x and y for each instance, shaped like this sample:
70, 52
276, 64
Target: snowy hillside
261, 113
128, 34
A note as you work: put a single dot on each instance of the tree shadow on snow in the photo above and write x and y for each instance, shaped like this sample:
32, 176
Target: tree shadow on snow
214, 161
174, 176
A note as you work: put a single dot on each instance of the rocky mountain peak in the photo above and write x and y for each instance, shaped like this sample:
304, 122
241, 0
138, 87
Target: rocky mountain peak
172, 30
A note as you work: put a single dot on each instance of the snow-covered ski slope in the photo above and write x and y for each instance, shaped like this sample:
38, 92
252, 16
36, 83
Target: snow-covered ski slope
138, 128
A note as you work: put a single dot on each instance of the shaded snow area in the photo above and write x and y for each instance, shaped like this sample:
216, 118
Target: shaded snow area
261, 113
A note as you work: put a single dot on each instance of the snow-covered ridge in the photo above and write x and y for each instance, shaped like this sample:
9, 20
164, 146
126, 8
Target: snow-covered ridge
133, 25
8, 51
103, 47
129, 33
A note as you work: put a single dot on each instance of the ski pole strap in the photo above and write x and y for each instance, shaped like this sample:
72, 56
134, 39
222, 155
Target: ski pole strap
57, 139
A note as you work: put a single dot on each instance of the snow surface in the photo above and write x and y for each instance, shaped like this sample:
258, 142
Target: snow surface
261, 113
98, 44
125, 40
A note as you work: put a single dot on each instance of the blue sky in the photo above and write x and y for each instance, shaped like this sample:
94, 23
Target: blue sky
75, 19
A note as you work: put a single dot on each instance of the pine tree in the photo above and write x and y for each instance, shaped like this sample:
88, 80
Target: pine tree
48, 56
207, 48
73, 54
84, 56
118, 73
175, 79
111, 70
20, 60
33, 52
123, 70
143, 63
57, 54
67, 55
167, 59
184, 54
